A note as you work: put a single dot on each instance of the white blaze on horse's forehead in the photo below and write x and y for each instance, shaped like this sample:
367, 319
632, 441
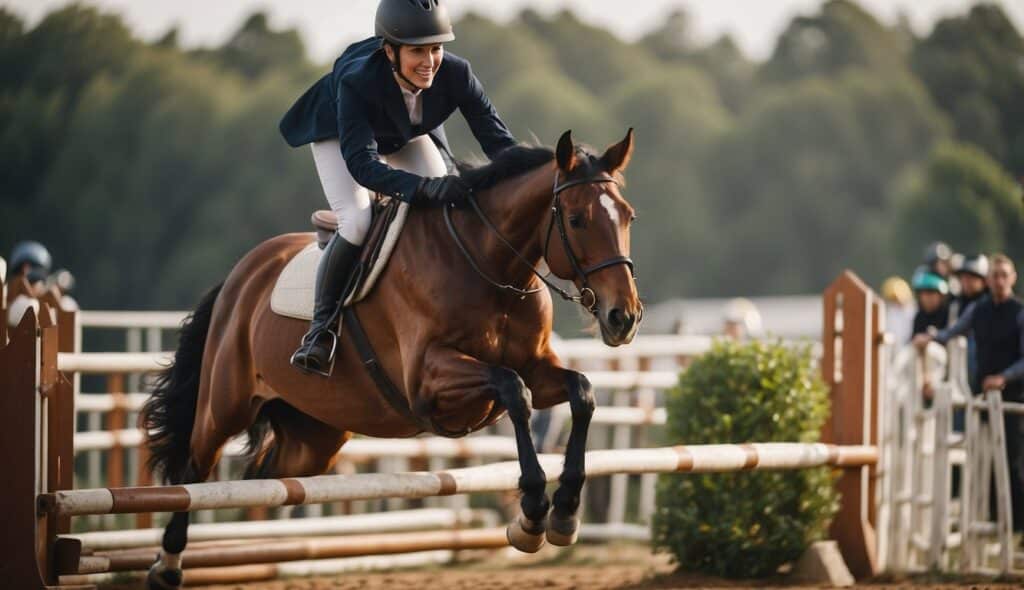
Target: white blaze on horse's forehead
609, 205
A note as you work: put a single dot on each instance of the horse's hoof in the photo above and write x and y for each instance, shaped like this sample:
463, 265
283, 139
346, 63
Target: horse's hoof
562, 531
161, 578
525, 535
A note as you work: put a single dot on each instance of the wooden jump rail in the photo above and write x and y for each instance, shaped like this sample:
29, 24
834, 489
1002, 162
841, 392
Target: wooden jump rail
497, 477
38, 403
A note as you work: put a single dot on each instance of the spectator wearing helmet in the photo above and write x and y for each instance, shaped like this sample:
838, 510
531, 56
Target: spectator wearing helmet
30, 264
973, 274
932, 293
387, 95
30, 260
899, 308
938, 258
997, 321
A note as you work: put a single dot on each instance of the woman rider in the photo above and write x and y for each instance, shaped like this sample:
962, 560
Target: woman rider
388, 94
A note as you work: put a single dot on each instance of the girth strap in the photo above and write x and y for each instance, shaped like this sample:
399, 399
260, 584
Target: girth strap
394, 397
391, 393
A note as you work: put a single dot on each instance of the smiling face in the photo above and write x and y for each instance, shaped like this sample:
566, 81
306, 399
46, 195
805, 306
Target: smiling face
418, 64
597, 223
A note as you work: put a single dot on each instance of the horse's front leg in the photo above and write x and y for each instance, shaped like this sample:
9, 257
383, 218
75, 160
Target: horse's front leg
456, 383
552, 384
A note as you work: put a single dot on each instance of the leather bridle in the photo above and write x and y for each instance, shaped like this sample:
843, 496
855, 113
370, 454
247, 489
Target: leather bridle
585, 296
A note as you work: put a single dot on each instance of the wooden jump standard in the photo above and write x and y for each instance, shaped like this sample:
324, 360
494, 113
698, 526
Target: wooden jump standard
38, 406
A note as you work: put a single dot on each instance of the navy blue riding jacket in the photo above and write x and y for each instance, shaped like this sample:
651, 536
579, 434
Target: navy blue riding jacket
361, 104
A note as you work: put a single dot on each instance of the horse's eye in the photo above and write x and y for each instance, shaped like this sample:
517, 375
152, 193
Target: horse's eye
576, 220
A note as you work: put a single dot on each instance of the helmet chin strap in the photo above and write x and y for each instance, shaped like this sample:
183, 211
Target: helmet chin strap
396, 67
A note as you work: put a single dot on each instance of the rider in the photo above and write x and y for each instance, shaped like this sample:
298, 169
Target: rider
384, 95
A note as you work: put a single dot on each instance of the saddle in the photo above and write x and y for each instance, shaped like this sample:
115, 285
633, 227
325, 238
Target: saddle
293, 293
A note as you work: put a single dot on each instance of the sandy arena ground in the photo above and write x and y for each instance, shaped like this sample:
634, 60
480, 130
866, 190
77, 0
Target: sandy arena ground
619, 567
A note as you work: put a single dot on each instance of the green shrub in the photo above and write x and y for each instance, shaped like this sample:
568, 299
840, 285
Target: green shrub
745, 524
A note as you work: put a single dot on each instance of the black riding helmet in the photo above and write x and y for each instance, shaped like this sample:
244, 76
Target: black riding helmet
414, 22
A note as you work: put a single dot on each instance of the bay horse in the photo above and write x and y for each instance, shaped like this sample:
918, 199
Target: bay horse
462, 324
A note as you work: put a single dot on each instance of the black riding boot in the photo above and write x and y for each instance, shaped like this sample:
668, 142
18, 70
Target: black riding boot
316, 353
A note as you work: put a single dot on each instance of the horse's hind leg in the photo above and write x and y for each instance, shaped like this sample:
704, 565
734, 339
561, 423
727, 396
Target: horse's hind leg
213, 425
454, 382
552, 385
206, 447
302, 445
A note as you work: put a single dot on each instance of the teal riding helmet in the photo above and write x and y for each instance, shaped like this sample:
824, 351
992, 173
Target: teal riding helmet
926, 280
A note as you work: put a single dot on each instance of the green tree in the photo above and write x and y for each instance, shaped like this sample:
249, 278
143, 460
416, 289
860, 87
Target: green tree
722, 60
499, 52
254, 50
971, 64
594, 57
803, 182
843, 35
965, 198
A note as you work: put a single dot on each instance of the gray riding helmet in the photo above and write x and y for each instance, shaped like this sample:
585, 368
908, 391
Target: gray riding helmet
976, 265
36, 256
414, 22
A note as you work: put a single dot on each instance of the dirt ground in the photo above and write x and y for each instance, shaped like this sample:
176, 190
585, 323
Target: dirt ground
619, 567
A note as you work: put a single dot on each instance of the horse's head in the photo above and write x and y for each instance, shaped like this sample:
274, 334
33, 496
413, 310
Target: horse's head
587, 239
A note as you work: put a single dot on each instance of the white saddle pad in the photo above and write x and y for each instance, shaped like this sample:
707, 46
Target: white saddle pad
293, 293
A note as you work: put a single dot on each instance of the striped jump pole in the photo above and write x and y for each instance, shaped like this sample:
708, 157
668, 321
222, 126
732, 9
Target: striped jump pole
283, 550
497, 477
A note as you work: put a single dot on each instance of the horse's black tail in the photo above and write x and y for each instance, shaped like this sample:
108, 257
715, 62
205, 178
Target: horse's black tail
169, 412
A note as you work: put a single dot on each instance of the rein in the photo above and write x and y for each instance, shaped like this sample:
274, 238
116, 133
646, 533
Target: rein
586, 296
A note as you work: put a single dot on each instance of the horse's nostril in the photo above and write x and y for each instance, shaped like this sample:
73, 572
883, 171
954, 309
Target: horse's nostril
616, 318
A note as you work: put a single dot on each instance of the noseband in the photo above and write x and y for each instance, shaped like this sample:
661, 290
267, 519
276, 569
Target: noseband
586, 296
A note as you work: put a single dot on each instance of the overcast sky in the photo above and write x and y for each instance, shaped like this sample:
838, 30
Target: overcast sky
327, 25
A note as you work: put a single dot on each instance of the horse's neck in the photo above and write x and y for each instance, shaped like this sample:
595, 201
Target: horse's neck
519, 209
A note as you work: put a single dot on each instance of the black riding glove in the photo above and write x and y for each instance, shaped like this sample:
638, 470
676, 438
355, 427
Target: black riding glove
443, 190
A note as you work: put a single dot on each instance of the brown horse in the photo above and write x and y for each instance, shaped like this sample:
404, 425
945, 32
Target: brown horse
462, 348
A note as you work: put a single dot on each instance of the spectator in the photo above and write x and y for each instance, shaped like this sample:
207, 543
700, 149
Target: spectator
931, 291
973, 274
30, 264
899, 308
64, 282
741, 320
938, 258
941, 260
30, 260
997, 321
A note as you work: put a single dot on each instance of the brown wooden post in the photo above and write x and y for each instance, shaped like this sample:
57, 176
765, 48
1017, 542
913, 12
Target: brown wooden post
24, 542
61, 404
53, 464
145, 477
3, 302
115, 423
851, 343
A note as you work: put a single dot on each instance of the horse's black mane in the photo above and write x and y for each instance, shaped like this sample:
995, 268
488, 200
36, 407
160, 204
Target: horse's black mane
518, 160
510, 163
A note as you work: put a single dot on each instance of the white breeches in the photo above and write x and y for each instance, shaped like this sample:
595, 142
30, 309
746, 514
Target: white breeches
350, 201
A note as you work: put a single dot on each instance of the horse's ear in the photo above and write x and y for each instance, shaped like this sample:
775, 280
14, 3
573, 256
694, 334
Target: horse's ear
566, 153
616, 157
